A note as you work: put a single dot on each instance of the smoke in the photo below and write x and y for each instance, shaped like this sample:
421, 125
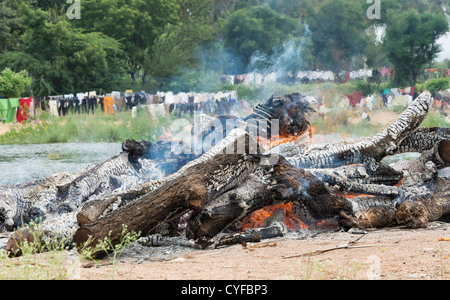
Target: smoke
285, 61
215, 60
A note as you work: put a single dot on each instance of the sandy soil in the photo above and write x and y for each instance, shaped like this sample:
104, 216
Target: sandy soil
389, 254
4, 128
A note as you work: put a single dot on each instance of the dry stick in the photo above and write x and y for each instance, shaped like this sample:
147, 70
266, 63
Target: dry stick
346, 246
337, 248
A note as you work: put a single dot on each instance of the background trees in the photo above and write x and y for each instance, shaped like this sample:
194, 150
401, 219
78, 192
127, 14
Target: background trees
162, 44
410, 43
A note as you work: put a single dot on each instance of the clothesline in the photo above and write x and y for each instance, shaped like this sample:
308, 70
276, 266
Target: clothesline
15, 109
162, 103
301, 76
388, 97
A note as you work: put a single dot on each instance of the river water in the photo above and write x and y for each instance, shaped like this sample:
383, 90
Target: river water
23, 163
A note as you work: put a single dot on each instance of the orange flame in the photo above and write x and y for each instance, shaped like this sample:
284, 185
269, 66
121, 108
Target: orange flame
167, 136
276, 140
257, 218
399, 184
311, 131
355, 195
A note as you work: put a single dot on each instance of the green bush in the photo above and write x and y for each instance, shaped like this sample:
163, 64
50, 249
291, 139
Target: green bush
435, 85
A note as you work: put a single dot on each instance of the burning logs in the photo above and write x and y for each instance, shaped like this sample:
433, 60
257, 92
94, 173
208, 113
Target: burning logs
339, 185
367, 151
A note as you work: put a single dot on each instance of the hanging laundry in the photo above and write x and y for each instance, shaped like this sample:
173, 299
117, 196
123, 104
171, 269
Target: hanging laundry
13, 105
53, 105
347, 78
24, 109
109, 101
355, 98
4, 105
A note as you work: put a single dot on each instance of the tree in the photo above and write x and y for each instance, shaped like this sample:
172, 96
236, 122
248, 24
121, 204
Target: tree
411, 43
338, 33
64, 59
137, 24
10, 28
12, 85
175, 48
260, 30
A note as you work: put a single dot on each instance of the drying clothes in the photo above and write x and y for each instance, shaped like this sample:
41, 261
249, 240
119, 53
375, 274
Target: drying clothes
24, 109
170, 98
4, 105
109, 105
148, 98
121, 103
53, 105
355, 98
13, 105
91, 102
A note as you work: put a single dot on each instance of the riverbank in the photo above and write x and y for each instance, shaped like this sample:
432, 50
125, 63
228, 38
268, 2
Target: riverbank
121, 126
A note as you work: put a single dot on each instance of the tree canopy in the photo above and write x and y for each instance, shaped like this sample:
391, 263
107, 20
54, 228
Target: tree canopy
12, 85
161, 44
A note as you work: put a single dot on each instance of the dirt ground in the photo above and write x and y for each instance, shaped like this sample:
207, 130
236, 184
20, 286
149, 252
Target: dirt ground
4, 128
388, 254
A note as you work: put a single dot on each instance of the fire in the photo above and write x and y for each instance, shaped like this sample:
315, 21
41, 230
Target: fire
399, 184
167, 136
257, 218
311, 131
355, 195
277, 140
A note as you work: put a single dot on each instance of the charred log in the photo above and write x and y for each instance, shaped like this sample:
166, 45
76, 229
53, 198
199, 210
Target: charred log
343, 185
371, 151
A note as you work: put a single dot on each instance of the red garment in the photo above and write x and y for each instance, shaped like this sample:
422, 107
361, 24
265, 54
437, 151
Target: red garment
24, 109
355, 98
348, 77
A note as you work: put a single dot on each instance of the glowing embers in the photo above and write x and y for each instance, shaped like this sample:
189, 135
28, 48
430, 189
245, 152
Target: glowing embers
259, 218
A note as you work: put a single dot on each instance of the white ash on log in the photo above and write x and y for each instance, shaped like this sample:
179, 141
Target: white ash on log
343, 184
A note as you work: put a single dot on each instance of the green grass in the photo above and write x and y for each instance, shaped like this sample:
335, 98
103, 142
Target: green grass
88, 128
48, 257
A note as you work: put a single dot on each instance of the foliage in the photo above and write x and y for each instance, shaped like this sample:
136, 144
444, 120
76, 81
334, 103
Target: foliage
113, 251
180, 44
64, 59
436, 85
338, 35
12, 85
258, 30
137, 24
411, 43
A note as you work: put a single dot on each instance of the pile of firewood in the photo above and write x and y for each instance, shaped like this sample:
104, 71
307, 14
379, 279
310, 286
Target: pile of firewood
343, 185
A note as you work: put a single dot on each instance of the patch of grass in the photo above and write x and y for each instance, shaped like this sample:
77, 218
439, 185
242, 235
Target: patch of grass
88, 128
435, 119
45, 257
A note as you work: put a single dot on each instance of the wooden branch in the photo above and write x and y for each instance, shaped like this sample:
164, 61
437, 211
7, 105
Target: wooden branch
367, 151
